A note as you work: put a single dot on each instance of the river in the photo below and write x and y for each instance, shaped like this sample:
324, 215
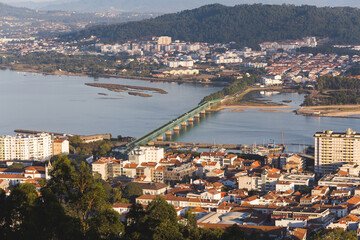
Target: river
64, 104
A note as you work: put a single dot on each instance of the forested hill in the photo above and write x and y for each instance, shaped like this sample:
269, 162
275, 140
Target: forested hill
244, 24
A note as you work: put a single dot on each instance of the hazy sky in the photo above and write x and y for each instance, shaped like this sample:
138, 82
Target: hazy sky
354, 3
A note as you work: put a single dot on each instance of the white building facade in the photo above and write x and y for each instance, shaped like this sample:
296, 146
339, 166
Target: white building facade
26, 147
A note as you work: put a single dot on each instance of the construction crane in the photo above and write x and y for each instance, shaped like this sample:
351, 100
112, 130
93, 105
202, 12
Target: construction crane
272, 140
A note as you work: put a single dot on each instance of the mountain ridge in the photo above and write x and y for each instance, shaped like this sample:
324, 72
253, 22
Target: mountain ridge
248, 25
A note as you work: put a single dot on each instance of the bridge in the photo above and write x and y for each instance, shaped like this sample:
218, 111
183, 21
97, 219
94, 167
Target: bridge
174, 125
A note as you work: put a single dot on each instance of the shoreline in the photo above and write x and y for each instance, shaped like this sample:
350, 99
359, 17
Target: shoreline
346, 111
151, 79
316, 111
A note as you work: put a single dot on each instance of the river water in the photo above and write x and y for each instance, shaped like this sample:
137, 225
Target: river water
65, 104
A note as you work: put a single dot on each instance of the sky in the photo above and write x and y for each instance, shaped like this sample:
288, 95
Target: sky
320, 3
316, 2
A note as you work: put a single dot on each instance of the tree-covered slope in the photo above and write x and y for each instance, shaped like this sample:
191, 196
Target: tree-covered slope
244, 24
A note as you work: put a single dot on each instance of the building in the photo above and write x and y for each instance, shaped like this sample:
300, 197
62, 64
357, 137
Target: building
164, 40
332, 150
107, 167
61, 146
94, 138
146, 154
271, 80
316, 216
153, 188
333, 180
26, 147
184, 172
180, 63
250, 182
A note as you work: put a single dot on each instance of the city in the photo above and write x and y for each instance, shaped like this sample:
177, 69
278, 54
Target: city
116, 130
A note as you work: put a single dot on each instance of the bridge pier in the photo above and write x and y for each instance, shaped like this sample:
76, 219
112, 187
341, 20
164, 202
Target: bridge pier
197, 117
183, 126
160, 139
168, 135
203, 113
190, 121
176, 130
208, 110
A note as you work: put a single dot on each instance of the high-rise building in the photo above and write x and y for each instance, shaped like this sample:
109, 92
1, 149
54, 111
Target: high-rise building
146, 154
334, 149
26, 147
164, 40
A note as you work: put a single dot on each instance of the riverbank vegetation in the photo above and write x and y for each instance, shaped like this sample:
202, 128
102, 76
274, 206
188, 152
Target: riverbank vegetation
98, 148
335, 91
236, 85
88, 64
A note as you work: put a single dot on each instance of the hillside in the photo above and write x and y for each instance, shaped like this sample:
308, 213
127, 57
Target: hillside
24, 22
245, 24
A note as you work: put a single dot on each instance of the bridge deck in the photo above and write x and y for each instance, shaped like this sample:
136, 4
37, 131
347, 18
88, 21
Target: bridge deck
151, 136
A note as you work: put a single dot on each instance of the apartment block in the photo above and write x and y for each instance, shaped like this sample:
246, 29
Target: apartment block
26, 147
61, 146
164, 40
146, 154
333, 149
107, 167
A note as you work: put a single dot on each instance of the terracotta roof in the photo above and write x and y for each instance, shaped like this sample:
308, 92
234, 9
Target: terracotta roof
341, 172
130, 165
152, 186
353, 201
198, 210
217, 171
300, 233
13, 176
147, 197
349, 218
121, 205
273, 170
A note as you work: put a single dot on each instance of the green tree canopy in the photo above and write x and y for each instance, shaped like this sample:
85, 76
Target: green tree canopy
132, 191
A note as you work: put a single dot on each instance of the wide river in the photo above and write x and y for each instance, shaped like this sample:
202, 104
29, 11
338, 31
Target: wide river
64, 104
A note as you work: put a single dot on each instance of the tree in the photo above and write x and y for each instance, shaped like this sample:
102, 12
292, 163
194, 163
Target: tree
336, 233
106, 225
62, 176
132, 191
135, 222
233, 233
51, 220
16, 166
2, 212
18, 211
161, 221
84, 198
189, 228
87, 196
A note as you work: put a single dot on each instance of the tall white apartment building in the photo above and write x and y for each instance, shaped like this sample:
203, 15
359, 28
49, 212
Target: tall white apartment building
334, 149
26, 147
146, 154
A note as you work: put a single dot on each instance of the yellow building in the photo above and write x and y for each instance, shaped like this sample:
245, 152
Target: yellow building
164, 40
333, 149
60, 146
